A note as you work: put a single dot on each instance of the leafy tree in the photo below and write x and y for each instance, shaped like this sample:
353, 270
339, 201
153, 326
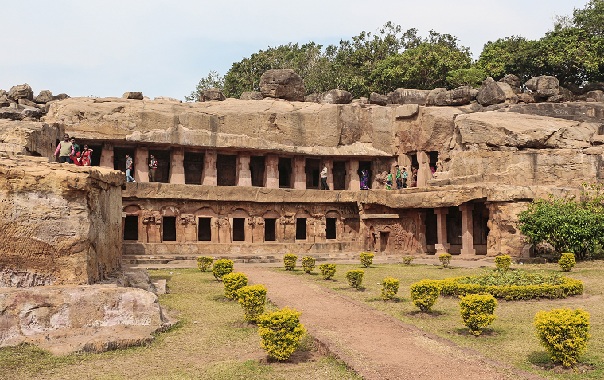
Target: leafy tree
473, 77
509, 55
213, 80
591, 18
568, 224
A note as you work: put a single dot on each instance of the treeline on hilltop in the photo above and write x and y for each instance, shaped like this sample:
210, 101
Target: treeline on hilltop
392, 58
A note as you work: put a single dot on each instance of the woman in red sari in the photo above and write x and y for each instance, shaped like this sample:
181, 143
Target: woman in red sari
86, 156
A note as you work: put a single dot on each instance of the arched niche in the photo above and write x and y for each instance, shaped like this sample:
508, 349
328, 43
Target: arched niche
271, 214
206, 212
170, 211
131, 209
239, 213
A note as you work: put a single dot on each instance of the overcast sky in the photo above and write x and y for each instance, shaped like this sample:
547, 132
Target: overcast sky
162, 48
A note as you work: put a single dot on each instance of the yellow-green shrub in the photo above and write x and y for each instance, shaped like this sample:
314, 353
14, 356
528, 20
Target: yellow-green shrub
366, 259
222, 267
445, 259
503, 262
407, 259
281, 332
289, 261
355, 277
424, 294
308, 264
567, 262
252, 298
204, 263
327, 270
477, 311
233, 282
389, 288
564, 334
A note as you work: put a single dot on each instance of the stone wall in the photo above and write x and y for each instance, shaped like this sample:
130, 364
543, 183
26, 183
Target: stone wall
59, 223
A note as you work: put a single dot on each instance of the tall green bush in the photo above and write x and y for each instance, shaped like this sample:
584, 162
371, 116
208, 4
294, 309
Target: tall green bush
252, 298
233, 282
567, 262
308, 264
281, 332
477, 311
327, 270
424, 294
355, 277
289, 261
389, 288
222, 267
445, 259
204, 263
366, 259
503, 262
564, 334
408, 259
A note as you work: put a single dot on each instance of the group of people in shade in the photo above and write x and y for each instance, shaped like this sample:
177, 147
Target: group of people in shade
152, 168
400, 177
68, 151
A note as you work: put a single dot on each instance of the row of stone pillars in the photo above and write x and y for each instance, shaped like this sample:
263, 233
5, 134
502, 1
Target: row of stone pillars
467, 230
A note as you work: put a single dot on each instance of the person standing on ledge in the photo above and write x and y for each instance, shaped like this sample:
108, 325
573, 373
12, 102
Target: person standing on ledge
399, 177
129, 177
324, 185
152, 168
64, 149
405, 176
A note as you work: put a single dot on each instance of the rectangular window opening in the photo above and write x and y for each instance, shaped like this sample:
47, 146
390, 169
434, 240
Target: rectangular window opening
269, 229
238, 229
301, 229
204, 229
330, 228
169, 228
131, 227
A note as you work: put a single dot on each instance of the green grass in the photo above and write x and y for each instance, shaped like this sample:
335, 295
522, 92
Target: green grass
212, 341
511, 338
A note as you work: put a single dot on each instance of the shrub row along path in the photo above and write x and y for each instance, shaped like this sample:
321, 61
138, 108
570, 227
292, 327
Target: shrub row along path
373, 344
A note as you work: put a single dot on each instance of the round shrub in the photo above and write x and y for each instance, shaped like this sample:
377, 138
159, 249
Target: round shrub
204, 263
564, 334
289, 261
389, 288
366, 259
407, 259
308, 264
233, 282
252, 298
445, 259
327, 270
280, 332
503, 262
355, 277
424, 294
222, 267
477, 311
567, 262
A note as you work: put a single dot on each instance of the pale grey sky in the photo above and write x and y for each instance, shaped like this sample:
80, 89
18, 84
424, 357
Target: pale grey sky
163, 48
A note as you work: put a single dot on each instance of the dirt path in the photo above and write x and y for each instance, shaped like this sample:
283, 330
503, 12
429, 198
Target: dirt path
373, 344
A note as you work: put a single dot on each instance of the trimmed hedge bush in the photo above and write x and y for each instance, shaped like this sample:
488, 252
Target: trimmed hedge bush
445, 259
407, 260
233, 282
252, 298
567, 262
503, 262
289, 261
424, 294
564, 334
477, 311
327, 270
389, 288
308, 264
366, 259
355, 277
222, 267
204, 263
281, 332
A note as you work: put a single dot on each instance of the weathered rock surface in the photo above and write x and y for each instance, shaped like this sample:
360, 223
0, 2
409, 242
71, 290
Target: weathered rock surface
251, 95
408, 96
71, 319
44, 96
213, 94
336, 96
282, 84
490, 93
136, 95
456, 97
22, 91
596, 95
513, 81
28, 137
379, 99
544, 86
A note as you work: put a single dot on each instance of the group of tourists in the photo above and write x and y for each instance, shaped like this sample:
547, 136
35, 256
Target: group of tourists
152, 168
401, 178
68, 151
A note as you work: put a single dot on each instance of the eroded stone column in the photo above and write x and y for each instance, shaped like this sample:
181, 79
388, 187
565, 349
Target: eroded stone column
244, 174
209, 168
442, 246
177, 167
423, 173
299, 172
272, 172
141, 168
467, 229
107, 156
353, 181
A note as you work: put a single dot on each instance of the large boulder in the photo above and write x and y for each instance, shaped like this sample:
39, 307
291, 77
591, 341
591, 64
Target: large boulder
408, 96
595, 96
510, 94
544, 86
379, 99
513, 81
22, 91
456, 97
490, 93
213, 94
336, 96
282, 84
44, 96
136, 95
251, 95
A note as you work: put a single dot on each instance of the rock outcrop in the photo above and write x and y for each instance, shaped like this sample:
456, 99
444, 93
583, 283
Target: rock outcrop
282, 84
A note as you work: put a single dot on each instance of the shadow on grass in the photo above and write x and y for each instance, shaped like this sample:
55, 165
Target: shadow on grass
394, 299
464, 331
425, 314
541, 360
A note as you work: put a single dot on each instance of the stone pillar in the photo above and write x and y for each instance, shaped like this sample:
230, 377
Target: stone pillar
177, 166
272, 172
215, 230
141, 166
107, 156
209, 168
442, 246
423, 173
244, 174
329, 164
353, 181
467, 229
299, 173
249, 229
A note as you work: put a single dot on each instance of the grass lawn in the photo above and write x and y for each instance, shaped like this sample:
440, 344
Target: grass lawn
511, 338
212, 341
